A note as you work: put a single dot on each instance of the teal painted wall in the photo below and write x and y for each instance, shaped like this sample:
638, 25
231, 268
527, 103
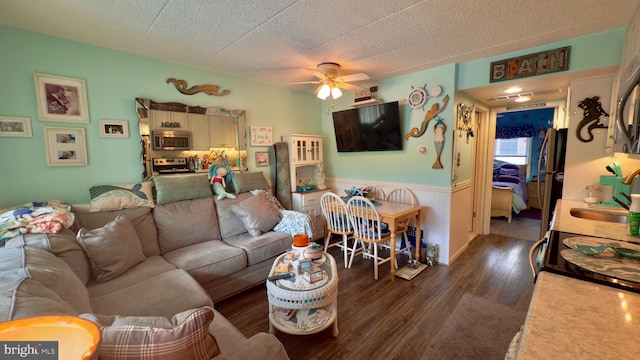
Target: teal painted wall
114, 79
588, 52
406, 166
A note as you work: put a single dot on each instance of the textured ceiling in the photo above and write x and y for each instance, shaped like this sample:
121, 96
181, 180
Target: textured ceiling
273, 41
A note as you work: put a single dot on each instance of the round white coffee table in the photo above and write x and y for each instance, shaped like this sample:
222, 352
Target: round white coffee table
300, 308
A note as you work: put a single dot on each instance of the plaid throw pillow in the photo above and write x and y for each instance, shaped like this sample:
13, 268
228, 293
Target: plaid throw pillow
184, 337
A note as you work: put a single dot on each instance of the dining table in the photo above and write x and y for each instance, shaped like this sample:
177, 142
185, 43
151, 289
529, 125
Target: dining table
395, 215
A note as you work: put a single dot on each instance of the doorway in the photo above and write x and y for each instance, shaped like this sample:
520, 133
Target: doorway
483, 166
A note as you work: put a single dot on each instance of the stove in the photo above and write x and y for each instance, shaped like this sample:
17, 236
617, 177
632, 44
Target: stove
555, 263
165, 166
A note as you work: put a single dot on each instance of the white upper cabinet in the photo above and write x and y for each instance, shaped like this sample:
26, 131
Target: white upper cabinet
305, 149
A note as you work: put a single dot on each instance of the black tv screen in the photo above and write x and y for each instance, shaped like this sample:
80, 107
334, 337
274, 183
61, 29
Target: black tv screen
370, 128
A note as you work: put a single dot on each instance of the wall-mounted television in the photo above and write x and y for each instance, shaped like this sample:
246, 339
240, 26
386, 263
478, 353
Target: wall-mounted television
369, 128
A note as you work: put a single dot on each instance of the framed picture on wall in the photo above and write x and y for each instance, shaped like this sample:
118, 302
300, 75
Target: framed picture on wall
261, 136
114, 128
61, 99
65, 146
15, 126
262, 158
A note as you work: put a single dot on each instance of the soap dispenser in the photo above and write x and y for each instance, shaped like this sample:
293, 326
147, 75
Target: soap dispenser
633, 220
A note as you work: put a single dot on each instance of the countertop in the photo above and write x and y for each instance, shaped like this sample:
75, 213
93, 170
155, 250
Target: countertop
575, 319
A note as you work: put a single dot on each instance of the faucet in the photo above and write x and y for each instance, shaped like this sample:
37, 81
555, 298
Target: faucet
629, 179
635, 189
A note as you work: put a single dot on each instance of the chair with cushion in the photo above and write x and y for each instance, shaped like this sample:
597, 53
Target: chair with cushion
335, 214
404, 196
365, 220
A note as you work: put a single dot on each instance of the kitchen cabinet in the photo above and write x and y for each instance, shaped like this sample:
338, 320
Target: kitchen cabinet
168, 120
199, 126
309, 203
222, 132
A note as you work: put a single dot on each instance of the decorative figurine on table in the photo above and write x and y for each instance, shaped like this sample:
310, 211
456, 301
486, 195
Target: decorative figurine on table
220, 174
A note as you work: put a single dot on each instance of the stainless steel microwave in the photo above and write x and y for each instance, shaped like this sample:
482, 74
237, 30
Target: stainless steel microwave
171, 140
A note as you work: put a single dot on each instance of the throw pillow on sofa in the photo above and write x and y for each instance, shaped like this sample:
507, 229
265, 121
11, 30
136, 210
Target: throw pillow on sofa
182, 187
257, 213
186, 336
116, 197
111, 249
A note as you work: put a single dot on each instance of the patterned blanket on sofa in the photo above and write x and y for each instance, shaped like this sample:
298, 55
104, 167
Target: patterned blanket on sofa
35, 217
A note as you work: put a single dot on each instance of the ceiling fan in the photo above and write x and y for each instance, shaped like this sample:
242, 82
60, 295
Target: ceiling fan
330, 81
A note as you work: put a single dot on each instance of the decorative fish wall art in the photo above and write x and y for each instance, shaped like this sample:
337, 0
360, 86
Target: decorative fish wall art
181, 85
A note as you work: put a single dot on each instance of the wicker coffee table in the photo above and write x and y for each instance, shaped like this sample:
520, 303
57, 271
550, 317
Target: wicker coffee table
300, 308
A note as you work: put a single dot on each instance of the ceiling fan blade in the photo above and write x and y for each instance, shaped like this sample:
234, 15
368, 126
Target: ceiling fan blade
305, 82
350, 87
317, 74
353, 77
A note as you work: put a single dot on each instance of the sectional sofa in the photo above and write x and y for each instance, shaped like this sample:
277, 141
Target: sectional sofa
157, 270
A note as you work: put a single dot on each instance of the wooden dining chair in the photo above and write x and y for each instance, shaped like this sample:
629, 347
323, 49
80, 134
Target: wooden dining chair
336, 216
367, 229
404, 196
375, 192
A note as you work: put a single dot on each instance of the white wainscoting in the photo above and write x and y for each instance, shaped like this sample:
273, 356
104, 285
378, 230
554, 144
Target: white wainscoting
436, 203
461, 212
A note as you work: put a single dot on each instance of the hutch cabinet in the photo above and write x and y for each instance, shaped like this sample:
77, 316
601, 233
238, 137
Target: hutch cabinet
305, 161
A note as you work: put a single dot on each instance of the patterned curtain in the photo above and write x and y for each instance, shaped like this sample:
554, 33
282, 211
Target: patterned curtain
515, 131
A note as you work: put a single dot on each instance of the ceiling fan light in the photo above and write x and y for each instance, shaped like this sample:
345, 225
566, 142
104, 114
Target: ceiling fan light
336, 92
513, 90
522, 99
324, 92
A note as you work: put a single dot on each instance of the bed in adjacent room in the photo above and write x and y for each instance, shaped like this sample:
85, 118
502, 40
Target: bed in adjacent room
508, 190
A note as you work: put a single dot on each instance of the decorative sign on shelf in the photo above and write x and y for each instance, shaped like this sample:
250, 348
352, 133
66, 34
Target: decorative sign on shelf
261, 136
181, 85
540, 63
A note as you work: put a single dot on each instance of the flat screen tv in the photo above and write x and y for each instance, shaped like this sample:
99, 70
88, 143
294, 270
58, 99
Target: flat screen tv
370, 128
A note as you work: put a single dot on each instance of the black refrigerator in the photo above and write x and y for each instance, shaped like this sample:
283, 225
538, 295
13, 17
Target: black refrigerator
551, 174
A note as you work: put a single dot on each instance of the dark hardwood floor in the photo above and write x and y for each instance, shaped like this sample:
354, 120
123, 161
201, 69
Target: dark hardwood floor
397, 320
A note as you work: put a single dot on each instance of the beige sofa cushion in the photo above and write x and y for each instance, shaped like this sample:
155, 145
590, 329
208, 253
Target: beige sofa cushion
257, 214
208, 260
63, 245
22, 297
112, 249
53, 273
140, 217
261, 247
165, 294
184, 223
185, 336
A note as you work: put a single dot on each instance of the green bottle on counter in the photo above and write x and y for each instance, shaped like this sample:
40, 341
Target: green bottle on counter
633, 220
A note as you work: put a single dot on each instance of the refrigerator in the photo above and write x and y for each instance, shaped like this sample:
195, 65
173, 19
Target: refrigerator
551, 174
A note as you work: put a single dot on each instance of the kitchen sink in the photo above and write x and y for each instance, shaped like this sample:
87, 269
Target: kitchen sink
600, 215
